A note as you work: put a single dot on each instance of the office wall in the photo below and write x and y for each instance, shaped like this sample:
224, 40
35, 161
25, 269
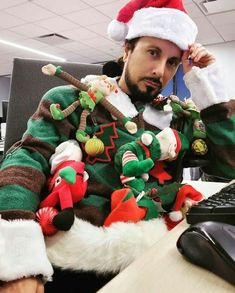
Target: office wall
4, 90
225, 53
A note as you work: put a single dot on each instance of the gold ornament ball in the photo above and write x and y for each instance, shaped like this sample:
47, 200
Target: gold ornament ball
199, 147
94, 147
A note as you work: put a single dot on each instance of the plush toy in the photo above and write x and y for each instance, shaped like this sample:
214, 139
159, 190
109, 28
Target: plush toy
186, 197
67, 185
189, 110
135, 160
93, 93
126, 207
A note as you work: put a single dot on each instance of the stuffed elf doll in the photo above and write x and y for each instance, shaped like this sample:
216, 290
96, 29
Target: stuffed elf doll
90, 95
135, 160
189, 110
67, 185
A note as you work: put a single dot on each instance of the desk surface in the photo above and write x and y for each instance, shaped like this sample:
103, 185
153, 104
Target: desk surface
162, 268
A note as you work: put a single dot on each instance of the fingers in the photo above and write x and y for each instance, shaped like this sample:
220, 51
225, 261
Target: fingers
200, 56
196, 51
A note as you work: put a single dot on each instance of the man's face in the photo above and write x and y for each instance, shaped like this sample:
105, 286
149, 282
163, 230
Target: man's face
149, 67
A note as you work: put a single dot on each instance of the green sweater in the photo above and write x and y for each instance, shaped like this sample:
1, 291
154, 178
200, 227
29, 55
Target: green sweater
25, 168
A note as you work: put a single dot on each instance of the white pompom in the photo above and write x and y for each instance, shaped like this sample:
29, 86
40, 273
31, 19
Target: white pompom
176, 216
117, 31
146, 138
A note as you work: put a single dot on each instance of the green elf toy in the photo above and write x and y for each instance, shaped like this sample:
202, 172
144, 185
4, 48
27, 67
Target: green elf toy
136, 160
90, 95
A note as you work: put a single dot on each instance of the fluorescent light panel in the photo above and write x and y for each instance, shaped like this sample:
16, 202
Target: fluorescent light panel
32, 50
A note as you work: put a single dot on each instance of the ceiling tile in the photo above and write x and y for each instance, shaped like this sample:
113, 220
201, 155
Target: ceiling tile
10, 36
99, 28
79, 34
56, 24
98, 42
229, 37
207, 32
111, 9
95, 3
87, 17
8, 21
73, 46
222, 18
34, 44
187, 1
193, 10
9, 3
30, 30
29, 12
61, 6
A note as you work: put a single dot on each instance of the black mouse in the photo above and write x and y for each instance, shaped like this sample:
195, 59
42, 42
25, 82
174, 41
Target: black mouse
212, 246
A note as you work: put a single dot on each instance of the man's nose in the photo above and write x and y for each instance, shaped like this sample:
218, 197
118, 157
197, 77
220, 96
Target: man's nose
159, 68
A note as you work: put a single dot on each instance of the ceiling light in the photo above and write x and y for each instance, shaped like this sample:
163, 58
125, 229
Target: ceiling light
32, 50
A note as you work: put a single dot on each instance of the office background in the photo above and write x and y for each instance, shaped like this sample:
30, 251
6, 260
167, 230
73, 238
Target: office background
76, 31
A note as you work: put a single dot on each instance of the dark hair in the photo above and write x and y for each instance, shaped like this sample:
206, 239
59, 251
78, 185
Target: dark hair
112, 68
131, 43
115, 68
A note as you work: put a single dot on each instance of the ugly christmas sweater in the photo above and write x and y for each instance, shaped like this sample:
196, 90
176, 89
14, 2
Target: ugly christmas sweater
25, 168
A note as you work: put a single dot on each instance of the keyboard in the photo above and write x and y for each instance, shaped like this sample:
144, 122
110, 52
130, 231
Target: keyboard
219, 207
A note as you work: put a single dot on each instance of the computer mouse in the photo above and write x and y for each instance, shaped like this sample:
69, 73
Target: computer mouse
212, 246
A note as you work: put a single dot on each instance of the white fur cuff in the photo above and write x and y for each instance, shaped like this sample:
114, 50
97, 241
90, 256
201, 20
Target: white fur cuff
206, 86
86, 247
22, 251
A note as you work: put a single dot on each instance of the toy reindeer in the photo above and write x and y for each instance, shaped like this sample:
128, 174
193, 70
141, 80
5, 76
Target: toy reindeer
90, 95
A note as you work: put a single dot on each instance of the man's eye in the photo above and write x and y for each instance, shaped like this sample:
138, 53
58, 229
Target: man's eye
154, 53
173, 62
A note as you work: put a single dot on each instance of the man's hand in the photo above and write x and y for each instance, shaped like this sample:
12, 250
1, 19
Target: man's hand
196, 55
25, 285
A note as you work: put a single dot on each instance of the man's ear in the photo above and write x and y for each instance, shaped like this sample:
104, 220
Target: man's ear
126, 52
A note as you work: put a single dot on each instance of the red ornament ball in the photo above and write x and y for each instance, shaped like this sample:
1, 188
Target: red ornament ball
44, 217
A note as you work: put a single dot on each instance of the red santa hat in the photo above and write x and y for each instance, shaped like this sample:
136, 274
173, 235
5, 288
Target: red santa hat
165, 19
186, 197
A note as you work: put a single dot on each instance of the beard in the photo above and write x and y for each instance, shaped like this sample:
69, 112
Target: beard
136, 94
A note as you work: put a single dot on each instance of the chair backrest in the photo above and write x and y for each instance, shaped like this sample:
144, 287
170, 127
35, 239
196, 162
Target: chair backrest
28, 84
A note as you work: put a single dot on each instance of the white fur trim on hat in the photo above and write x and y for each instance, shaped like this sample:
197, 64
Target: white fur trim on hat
22, 251
164, 23
89, 248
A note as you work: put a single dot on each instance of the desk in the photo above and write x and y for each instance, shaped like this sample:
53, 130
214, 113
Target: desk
162, 269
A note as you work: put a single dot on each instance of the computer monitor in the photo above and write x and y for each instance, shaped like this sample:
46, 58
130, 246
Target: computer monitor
4, 110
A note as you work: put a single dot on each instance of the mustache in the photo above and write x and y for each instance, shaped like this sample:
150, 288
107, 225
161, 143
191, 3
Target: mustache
155, 80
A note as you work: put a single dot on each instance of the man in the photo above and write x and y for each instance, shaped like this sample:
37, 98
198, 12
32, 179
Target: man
152, 54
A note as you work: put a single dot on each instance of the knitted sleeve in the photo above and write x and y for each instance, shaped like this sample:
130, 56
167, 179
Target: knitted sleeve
218, 113
22, 177
23, 171
219, 120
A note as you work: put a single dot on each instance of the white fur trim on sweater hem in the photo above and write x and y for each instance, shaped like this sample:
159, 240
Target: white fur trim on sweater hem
86, 247
22, 251
205, 86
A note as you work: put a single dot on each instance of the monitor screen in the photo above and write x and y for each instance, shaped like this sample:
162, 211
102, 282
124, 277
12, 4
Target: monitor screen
4, 110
